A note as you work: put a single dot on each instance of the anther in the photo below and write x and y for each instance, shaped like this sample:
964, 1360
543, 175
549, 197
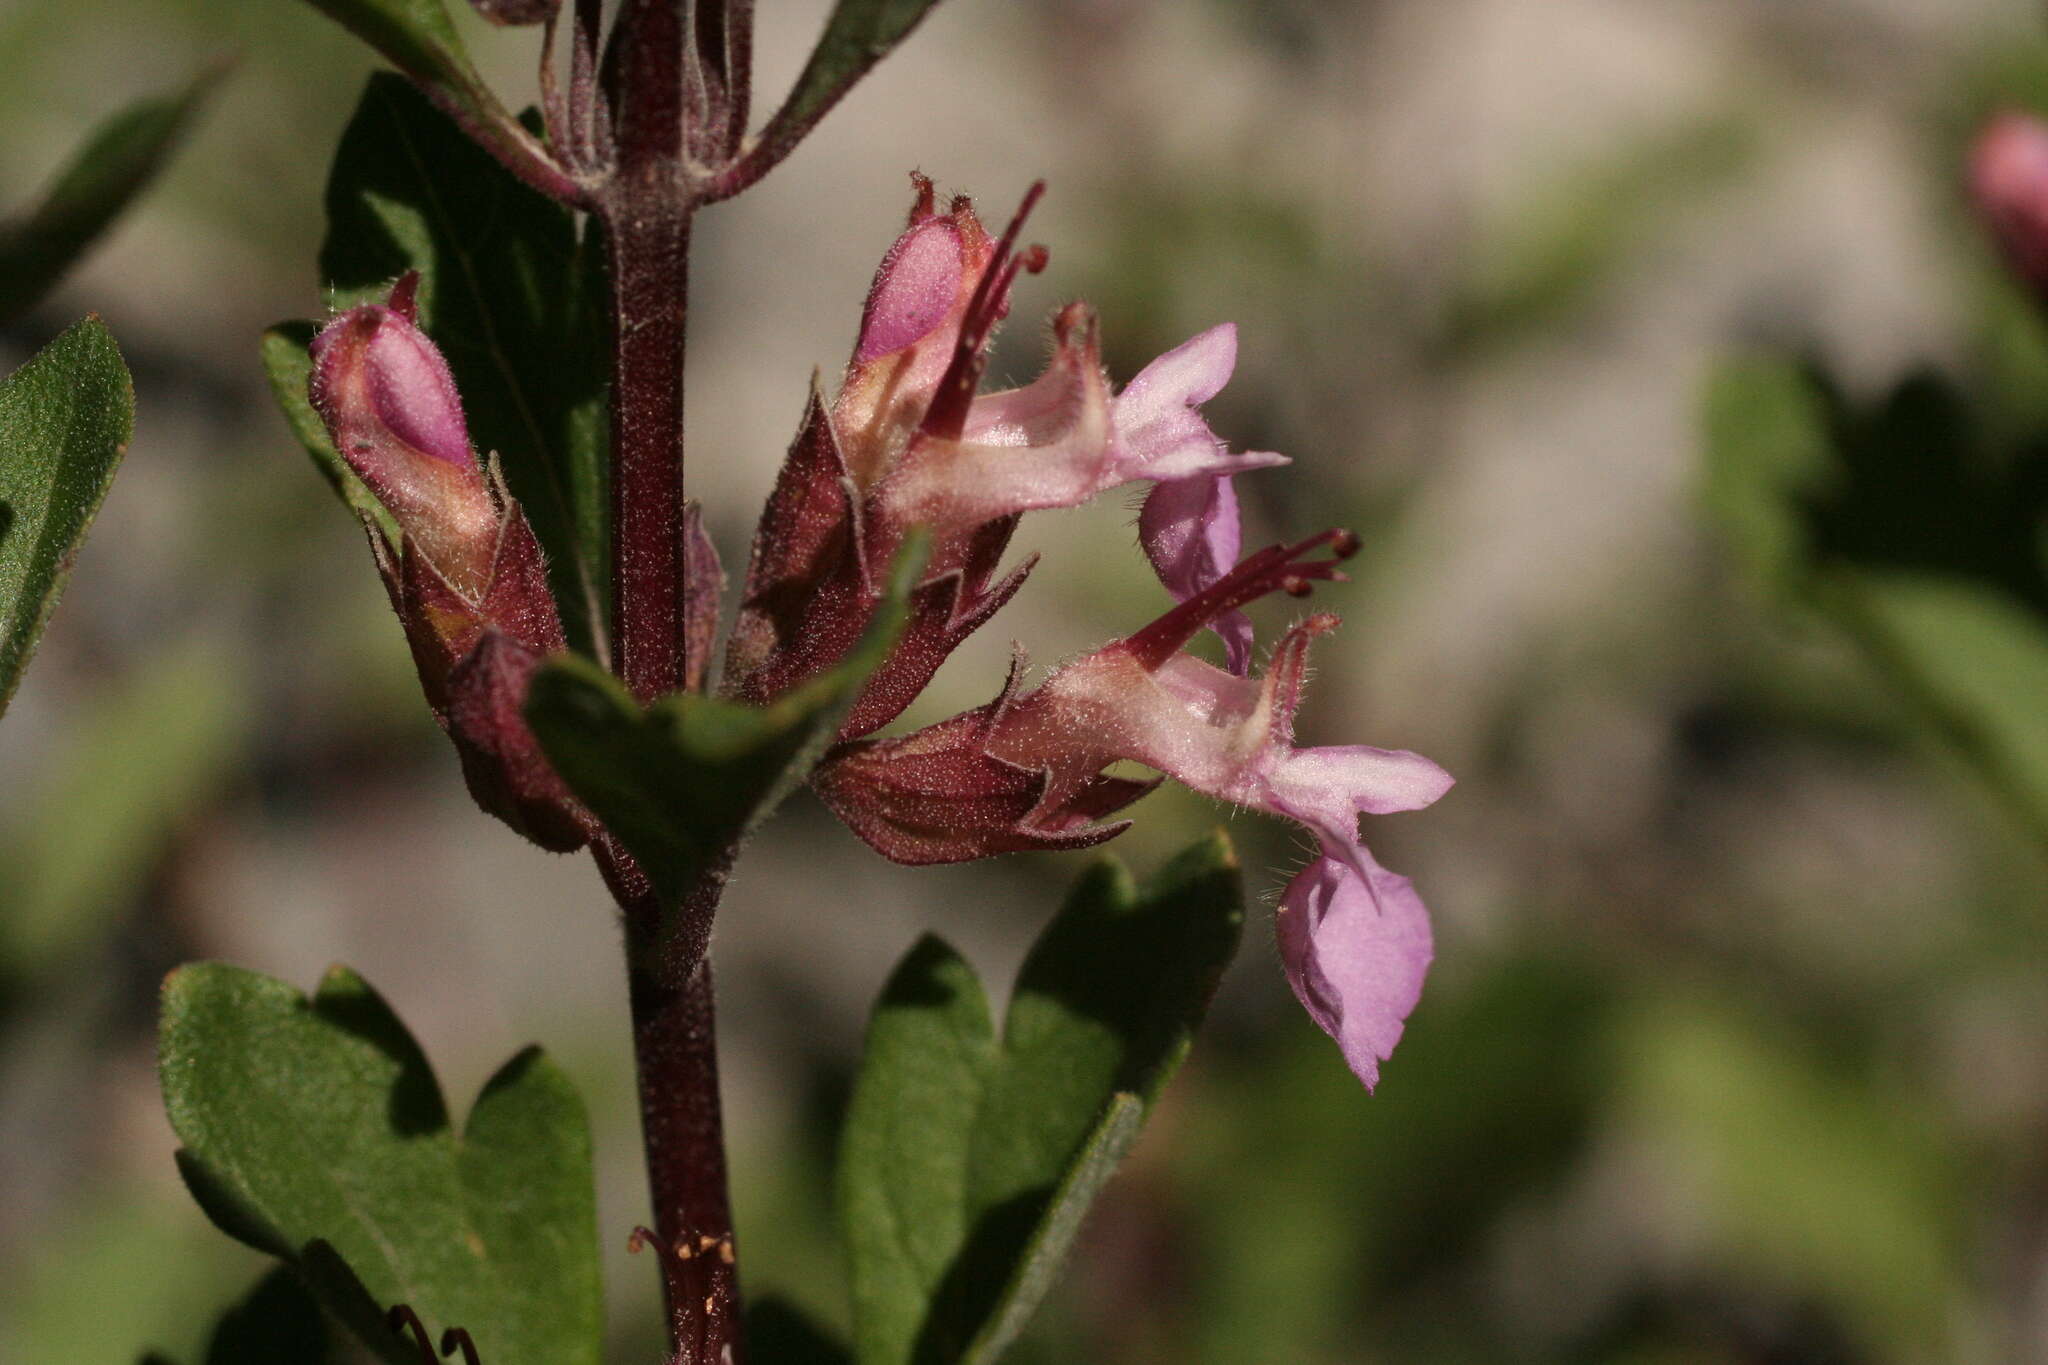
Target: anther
1295, 586
1344, 544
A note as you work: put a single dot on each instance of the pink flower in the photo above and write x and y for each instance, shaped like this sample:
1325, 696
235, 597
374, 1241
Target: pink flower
909, 442
1028, 771
1189, 524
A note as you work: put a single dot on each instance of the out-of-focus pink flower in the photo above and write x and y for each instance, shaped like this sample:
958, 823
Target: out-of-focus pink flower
1354, 938
2009, 182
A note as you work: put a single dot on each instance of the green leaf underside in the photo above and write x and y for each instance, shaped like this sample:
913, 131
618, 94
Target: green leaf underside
513, 298
967, 1163
114, 164
859, 34
65, 420
315, 1130
681, 783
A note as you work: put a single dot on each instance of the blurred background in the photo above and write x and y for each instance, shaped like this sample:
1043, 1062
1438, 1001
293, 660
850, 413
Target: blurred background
1599, 319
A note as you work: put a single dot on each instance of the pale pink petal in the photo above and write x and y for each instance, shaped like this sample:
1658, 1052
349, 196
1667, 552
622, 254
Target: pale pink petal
1356, 947
1160, 434
916, 287
1191, 532
404, 380
1372, 781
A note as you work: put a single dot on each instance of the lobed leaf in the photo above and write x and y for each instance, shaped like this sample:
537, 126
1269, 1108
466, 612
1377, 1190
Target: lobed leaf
315, 1130
65, 421
682, 782
967, 1164
114, 164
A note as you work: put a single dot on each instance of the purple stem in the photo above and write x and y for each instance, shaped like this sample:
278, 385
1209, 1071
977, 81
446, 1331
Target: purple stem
645, 207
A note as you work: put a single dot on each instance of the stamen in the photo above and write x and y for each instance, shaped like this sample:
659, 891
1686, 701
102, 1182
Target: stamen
947, 415
456, 1338
1277, 568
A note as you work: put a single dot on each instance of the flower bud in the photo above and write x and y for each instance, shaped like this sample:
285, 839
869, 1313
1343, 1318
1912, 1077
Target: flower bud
390, 405
2009, 182
915, 290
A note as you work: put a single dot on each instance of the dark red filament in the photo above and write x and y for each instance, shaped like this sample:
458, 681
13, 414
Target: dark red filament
947, 416
1277, 568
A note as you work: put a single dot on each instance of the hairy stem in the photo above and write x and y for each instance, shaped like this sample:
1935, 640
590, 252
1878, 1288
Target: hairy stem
645, 208
649, 246
675, 1048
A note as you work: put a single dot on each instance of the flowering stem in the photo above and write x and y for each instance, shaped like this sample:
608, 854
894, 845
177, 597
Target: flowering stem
650, 244
675, 1046
645, 207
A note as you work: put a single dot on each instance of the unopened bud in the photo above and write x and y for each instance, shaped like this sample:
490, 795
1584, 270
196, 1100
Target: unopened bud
390, 405
2009, 182
915, 290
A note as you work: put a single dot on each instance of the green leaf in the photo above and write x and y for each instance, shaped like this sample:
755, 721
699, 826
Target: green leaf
416, 35
65, 420
512, 296
315, 1130
116, 162
682, 782
859, 34
1974, 663
967, 1164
